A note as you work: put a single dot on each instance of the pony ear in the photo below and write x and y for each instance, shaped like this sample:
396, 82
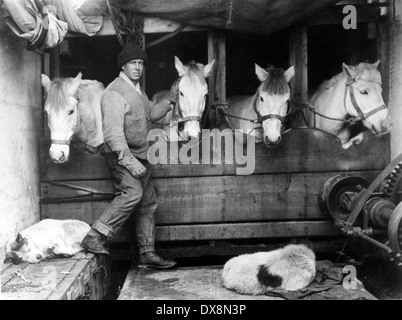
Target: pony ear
261, 73
208, 68
46, 82
375, 64
289, 74
350, 71
75, 84
181, 69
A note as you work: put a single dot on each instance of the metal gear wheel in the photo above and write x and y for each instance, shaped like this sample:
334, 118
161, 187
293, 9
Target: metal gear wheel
392, 186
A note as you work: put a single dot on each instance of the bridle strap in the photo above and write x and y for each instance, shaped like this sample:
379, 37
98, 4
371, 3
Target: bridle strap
271, 115
62, 142
362, 115
177, 114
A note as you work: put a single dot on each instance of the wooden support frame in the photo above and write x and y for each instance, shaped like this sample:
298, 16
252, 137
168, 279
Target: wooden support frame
217, 79
298, 57
151, 25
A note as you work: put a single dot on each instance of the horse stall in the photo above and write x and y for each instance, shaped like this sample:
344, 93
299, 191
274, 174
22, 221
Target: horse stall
231, 202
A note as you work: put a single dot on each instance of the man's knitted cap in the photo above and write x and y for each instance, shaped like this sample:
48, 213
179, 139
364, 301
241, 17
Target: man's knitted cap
130, 52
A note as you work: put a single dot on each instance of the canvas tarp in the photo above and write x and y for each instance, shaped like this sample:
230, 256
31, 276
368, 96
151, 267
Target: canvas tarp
246, 16
45, 23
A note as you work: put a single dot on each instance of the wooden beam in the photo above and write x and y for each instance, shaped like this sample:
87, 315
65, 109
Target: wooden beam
217, 78
204, 199
301, 150
243, 231
395, 73
299, 59
151, 25
383, 54
334, 15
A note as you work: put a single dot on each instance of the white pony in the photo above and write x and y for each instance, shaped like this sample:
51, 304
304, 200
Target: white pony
290, 268
354, 94
192, 90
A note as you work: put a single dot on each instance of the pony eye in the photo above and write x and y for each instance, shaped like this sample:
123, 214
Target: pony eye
70, 112
262, 99
365, 92
181, 93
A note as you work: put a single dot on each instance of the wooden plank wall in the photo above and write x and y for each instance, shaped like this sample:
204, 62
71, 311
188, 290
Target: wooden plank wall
211, 202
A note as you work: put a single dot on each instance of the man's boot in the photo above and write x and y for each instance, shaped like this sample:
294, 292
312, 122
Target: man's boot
150, 260
95, 242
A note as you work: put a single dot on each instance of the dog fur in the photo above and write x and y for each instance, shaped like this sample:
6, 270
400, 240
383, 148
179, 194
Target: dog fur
290, 268
46, 239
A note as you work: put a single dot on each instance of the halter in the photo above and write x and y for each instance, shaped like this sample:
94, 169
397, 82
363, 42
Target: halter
261, 119
362, 115
67, 142
177, 116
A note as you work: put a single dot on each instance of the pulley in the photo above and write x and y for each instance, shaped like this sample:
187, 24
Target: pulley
361, 209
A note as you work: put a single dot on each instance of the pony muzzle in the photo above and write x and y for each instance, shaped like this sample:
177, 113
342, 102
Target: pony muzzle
59, 153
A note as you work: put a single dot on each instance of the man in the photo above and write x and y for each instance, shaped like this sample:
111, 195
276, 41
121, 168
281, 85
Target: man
126, 112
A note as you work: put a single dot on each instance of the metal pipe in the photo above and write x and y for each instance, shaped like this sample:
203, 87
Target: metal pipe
375, 242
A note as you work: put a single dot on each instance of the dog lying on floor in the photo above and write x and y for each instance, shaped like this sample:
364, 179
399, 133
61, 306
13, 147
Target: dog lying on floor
290, 268
47, 239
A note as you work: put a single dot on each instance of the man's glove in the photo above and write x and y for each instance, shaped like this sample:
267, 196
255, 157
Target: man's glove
131, 163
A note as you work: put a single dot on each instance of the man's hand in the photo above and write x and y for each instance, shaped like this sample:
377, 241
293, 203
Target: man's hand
172, 94
131, 163
136, 168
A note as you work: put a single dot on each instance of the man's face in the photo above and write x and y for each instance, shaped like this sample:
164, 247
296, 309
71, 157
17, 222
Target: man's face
133, 69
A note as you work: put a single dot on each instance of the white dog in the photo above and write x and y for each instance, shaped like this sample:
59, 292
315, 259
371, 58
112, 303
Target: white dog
290, 268
46, 239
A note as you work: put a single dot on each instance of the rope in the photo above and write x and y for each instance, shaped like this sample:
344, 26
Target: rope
132, 24
115, 23
166, 37
310, 108
128, 23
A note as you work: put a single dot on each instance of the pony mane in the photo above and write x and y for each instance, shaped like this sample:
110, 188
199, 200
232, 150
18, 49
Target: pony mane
57, 95
194, 71
276, 82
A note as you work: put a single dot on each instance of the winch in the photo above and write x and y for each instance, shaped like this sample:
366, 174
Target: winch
369, 211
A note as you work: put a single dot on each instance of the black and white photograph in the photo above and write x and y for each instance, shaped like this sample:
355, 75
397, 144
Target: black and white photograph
202, 155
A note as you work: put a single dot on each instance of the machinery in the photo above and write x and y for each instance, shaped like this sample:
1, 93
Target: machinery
369, 211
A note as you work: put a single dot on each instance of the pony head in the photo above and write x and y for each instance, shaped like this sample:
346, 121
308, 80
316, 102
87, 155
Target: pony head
271, 104
61, 108
364, 100
192, 91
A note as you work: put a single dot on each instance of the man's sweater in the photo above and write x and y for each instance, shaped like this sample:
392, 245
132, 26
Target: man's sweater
125, 115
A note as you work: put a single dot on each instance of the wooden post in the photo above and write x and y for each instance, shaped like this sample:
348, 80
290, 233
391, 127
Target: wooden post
383, 54
299, 59
395, 96
51, 67
54, 63
217, 78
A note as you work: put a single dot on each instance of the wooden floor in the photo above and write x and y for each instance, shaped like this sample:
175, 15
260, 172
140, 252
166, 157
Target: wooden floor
204, 283
192, 283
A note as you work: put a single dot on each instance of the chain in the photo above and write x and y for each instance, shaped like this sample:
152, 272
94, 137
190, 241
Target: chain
255, 121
